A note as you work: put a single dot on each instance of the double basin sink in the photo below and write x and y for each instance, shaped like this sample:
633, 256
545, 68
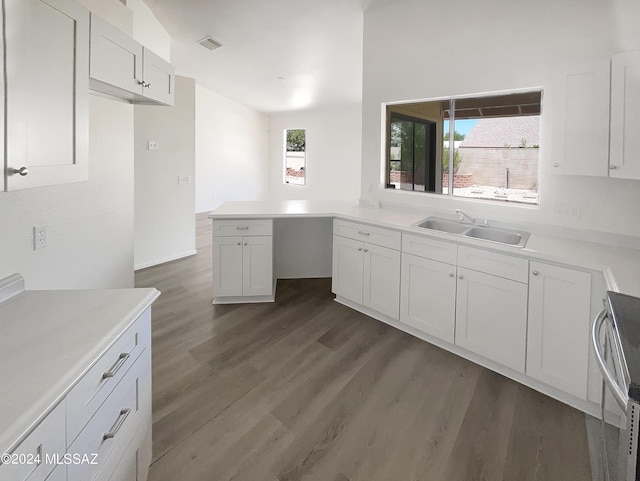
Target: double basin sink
488, 233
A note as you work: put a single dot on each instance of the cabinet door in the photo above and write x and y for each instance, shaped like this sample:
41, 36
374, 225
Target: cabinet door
491, 317
159, 78
227, 266
580, 142
428, 296
558, 330
347, 275
625, 116
381, 288
116, 58
47, 64
257, 266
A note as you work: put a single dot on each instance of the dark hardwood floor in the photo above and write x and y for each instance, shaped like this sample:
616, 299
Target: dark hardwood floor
307, 389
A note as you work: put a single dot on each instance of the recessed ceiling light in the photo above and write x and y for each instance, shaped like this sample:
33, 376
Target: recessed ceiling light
282, 79
209, 43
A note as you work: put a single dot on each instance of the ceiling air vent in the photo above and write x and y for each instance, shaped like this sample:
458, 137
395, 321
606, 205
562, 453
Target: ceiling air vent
209, 43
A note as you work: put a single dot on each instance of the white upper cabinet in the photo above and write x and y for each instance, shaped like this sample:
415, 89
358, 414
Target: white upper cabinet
123, 68
46, 92
159, 78
116, 59
625, 116
580, 144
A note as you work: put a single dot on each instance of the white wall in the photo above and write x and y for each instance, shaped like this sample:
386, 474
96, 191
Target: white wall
164, 209
333, 148
496, 45
90, 224
231, 151
149, 31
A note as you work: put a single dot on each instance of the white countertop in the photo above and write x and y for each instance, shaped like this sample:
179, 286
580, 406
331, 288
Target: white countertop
620, 265
49, 340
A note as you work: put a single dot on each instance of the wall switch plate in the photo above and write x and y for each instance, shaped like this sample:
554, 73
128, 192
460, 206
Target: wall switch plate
184, 179
152, 145
39, 236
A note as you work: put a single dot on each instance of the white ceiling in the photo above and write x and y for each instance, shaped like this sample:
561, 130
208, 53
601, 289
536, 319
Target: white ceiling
314, 45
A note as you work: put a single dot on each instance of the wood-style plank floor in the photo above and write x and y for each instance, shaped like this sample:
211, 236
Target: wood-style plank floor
307, 389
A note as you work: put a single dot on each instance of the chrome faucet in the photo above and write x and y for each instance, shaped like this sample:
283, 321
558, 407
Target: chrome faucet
462, 215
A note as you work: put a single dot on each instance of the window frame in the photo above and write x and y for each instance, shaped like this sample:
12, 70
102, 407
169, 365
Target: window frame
284, 158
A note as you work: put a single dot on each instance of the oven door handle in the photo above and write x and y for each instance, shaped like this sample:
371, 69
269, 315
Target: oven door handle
620, 396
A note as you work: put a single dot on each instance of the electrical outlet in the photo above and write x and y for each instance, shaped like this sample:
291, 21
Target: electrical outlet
39, 236
152, 145
184, 179
567, 211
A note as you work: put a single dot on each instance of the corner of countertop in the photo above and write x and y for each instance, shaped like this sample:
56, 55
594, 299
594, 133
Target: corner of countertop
11, 286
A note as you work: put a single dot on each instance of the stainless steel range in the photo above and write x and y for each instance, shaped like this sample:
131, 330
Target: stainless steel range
616, 341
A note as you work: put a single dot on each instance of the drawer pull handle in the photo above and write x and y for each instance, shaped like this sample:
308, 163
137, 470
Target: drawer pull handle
364, 233
242, 227
116, 367
117, 425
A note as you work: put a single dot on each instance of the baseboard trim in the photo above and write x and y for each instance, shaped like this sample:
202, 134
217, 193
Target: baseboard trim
162, 260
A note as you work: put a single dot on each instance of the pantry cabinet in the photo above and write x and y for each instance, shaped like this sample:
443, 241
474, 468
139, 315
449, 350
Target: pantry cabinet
123, 68
242, 264
46, 92
558, 330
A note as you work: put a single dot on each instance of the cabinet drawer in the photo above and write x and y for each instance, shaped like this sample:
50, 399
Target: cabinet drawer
95, 386
367, 233
46, 441
501, 265
242, 227
430, 248
115, 422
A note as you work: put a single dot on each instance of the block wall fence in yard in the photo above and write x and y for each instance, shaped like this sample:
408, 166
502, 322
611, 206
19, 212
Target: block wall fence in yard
488, 166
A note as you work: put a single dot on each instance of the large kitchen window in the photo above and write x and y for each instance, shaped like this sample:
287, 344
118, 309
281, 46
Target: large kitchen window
478, 147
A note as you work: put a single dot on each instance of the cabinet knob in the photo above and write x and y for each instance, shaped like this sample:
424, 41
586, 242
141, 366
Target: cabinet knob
613, 167
246, 243
366, 250
451, 274
148, 85
140, 82
460, 276
239, 243
22, 171
535, 273
359, 248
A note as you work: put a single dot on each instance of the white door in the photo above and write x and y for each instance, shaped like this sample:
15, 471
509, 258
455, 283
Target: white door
347, 275
159, 78
257, 266
47, 65
625, 116
381, 288
558, 330
227, 266
580, 137
491, 317
116, 58
428, 296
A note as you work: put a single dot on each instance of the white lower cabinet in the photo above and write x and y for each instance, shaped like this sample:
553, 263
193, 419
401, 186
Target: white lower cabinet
491, 317
242, 261
558, 331
428, 299
367, 273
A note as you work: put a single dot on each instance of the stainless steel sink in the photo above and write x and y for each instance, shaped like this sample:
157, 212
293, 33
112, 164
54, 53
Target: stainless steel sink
444, 225
503, 236
483, 232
